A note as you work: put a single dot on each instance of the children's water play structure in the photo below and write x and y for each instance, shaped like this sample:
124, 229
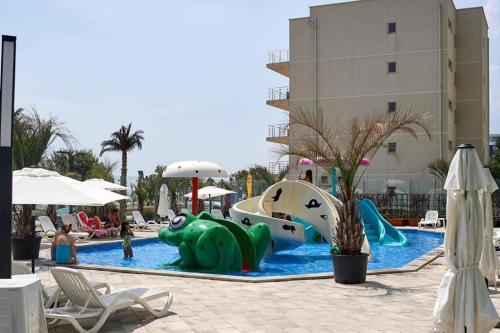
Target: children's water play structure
377, 229
284, 217
209, 244
307, 206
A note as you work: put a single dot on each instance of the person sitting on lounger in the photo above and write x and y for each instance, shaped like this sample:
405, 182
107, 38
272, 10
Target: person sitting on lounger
114, 219
63, 247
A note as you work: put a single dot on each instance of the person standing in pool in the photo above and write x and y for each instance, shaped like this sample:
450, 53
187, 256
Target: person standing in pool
126, 234
63, 247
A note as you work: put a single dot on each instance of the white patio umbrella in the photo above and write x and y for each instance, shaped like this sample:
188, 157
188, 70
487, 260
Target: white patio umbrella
44, 187
194, 170
488, 263
209, 192
104, 184
463, 302
163, 203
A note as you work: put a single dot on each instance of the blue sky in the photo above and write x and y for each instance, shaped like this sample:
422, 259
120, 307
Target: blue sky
191, 74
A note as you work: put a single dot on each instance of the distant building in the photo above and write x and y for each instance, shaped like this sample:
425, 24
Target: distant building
354, 58
493, 141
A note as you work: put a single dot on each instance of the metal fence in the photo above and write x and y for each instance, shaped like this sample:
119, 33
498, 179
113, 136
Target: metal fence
278, 56
416, 205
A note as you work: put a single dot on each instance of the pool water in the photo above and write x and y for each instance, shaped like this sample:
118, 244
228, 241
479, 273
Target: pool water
309, 258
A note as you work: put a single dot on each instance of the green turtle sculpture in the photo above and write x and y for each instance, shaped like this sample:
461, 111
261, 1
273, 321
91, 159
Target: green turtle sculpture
209, 244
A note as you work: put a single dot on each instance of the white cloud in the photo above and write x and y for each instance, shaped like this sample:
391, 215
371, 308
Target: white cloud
492, 8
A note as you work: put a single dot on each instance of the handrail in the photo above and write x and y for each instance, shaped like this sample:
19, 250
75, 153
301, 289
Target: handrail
278, 56
279, 93
278, 130
277, 167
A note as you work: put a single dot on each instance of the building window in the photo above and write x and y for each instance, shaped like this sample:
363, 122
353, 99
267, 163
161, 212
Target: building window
391, 27
450, 65
450, 145
450, 105
391, 67
391, 107
391, 147
450, 25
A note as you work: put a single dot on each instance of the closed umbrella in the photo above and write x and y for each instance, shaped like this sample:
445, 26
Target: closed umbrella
463, 303
163, 203
488, 262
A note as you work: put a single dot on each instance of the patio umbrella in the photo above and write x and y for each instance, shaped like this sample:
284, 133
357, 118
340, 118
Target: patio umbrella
43, 187
104, 185
163, 203
209, 192
194, 170
463, 303
488, 263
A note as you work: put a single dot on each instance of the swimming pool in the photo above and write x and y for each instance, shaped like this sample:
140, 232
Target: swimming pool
307, 259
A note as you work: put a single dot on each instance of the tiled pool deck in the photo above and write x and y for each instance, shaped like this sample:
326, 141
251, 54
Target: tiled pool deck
399, 302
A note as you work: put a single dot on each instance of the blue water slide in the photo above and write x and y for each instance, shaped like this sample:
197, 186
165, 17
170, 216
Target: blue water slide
377, 229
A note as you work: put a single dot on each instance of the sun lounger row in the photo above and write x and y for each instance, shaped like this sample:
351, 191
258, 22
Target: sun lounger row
83, 300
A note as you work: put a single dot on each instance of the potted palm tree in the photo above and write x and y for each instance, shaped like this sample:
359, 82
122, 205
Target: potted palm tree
123, 141
33, 137
343, 147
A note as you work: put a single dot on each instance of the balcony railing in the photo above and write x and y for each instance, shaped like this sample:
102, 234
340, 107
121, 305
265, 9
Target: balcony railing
278, 94
278, 131
277, 167
278, 56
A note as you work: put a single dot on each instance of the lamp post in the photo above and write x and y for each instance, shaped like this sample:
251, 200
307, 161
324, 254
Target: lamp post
7, 75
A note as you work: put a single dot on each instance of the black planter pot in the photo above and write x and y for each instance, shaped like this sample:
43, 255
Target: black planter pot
350, 268
22, 247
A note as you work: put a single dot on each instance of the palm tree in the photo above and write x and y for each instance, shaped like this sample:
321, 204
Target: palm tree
33, 136
123, 141
439, 169
344, 147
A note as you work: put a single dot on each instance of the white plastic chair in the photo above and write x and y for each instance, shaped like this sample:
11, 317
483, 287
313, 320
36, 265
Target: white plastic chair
52, 294
85, 303
431, 219
170, 214
50, 231
141, 223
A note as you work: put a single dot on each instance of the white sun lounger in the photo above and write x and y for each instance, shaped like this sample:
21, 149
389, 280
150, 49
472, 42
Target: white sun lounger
52, 294
50, 231
170, 214
141, 223
431, 219
85, 303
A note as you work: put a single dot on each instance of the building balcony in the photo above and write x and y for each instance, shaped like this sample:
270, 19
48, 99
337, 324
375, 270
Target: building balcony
279, 61
278, 134
277, 167
279, 98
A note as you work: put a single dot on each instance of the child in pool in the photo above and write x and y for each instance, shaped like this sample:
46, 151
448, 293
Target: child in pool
125, 234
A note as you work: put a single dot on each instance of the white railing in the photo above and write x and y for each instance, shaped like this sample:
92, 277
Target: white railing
277, 167
278, 94
278, 56
278, 131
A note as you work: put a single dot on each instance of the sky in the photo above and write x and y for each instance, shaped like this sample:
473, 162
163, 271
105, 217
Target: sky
191, 74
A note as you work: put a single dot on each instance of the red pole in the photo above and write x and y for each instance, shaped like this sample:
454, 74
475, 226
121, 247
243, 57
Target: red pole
194, 197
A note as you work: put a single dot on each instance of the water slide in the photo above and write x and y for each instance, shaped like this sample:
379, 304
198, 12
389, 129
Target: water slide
298, 199
377, 229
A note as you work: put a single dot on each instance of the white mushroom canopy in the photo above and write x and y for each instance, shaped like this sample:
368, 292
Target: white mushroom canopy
189, 169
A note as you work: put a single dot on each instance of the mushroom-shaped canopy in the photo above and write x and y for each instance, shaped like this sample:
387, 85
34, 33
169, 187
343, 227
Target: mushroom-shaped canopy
191, 169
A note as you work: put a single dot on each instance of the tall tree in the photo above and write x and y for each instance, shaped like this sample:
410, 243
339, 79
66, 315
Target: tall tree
33, 137
343, 146
123, 141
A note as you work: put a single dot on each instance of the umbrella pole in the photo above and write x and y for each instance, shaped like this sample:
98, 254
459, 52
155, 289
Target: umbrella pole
210, 204
33, 244
194, 197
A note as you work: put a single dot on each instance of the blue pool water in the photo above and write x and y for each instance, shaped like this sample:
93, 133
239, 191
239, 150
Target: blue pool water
306, 259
